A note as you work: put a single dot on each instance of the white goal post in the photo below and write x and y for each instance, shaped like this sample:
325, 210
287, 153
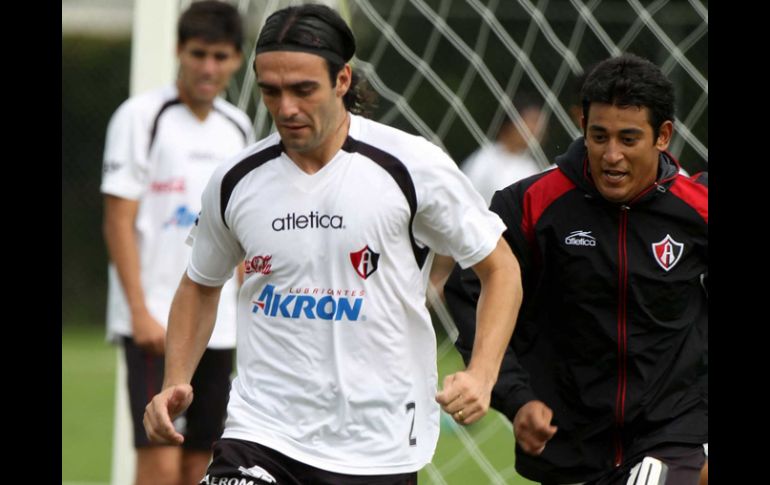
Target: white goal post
153, 64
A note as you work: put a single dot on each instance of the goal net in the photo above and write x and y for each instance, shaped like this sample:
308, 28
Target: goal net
448, 69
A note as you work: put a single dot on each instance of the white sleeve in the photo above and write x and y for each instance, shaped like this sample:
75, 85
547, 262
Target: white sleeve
452, 217
125, 171
215, 249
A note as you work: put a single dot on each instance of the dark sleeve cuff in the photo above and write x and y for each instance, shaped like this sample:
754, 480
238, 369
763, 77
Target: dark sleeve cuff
515, 401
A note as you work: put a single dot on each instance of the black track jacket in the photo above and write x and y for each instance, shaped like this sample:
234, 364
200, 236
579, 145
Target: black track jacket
613, 329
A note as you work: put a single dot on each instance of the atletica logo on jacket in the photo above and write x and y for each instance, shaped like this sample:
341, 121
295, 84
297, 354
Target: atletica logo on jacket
580, 238
312, 220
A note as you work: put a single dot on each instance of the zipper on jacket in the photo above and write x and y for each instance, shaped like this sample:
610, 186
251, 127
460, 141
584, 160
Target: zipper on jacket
620, 398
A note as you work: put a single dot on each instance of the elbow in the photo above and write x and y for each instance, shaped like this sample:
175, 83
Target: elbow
504, 268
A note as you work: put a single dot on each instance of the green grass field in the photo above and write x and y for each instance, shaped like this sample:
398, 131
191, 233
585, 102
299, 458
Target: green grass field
87, 398
88, 379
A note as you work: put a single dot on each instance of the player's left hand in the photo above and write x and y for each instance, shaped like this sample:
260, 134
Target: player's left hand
161, 411
465, 396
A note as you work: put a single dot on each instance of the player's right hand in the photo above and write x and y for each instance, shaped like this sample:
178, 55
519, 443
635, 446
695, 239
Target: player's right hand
532, 427
164, 407
148, 334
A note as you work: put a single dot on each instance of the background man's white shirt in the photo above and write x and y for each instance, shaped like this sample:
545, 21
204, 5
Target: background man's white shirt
157, 151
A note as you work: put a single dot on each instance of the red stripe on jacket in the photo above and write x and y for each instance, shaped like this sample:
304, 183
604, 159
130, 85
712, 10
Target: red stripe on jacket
693, 194
539, 196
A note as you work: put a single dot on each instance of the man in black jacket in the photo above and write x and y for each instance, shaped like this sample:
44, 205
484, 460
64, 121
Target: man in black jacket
605, 377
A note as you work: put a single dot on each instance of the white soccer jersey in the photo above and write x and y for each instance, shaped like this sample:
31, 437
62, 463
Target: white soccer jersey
493, 167
158, 152
336, 351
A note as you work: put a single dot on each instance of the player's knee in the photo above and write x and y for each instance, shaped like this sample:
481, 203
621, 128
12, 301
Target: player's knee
158, 476
194, 465
158, 466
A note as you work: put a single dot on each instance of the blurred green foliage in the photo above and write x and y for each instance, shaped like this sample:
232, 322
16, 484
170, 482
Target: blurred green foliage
95, 77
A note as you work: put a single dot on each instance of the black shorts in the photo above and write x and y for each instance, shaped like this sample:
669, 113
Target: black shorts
204, 421
246, 462
668, 464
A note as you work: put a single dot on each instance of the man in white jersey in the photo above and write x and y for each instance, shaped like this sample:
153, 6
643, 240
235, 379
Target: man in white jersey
334, 215
162, 147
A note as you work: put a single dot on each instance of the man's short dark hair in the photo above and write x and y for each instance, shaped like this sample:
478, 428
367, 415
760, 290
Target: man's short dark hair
630, 80
212, 21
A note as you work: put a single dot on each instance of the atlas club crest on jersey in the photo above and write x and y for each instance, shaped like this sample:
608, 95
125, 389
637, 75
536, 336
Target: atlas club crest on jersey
365, 261
667, 252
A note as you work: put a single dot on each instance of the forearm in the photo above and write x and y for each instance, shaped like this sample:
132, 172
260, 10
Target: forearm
512, 387
120, 238
466, 394
191, 322
496, 313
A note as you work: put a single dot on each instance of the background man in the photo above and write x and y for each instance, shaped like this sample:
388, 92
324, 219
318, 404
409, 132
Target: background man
161, 149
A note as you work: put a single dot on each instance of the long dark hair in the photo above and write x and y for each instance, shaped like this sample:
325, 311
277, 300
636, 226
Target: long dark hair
360, 99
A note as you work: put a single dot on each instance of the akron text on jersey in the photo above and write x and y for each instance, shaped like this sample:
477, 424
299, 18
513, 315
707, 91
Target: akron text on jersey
326, 307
